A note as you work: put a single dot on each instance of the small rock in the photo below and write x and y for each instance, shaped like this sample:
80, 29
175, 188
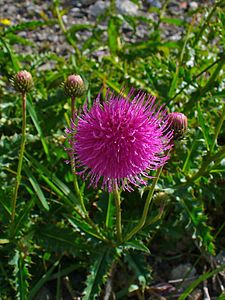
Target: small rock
154, 3
87, 2
183, 271
98, 8
127, 7
193, 5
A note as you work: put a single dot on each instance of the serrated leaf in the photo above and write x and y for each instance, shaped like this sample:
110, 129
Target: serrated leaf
136, 245
59, 239
137, 262
81, 224
98, 273
21, 220
198, 218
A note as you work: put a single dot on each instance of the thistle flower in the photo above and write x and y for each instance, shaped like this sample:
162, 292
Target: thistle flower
22, 82
178, 123
119, 141
74, 86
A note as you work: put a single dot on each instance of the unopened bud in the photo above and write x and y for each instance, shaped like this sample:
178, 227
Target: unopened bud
161, 198
22, 82
178, 123
74, 86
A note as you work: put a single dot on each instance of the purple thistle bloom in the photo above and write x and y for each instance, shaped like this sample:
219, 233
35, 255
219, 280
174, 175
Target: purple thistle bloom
119, 141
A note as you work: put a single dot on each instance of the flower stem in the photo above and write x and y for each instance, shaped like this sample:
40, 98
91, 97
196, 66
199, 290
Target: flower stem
72, 106
75, 182
146, 207
22, 147
218, 128
118, 216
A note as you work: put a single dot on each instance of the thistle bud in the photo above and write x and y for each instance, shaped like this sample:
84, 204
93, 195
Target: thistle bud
74, 86
178, 123
161, 198
22, 81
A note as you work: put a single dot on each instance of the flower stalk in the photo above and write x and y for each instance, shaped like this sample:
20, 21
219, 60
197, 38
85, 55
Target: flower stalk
22, 83
118, 216
142, 221
22, 147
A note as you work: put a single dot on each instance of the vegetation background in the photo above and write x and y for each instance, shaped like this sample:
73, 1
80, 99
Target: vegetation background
175, 52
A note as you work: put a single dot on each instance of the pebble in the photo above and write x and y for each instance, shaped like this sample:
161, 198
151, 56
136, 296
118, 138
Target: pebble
98, 8
183, 270
127, 7
193, 5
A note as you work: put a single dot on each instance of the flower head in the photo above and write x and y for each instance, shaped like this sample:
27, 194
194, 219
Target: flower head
178, 123
74, 86
22, 81
119, 141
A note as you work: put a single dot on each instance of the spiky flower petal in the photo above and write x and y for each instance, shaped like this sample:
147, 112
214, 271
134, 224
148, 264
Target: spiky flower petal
119, 141
74, 86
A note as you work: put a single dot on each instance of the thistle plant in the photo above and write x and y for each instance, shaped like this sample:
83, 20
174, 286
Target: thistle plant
117, 143
22, 83
74, 87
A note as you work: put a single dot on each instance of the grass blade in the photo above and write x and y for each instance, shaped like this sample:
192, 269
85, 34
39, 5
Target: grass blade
37, 188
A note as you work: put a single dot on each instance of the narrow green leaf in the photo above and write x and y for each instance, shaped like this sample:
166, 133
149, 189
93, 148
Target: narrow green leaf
173, 21
53, 181
15, 62
83, 226
173, 85
113, 34
205, 132
42, 281
203, 277
110, 212
36, 122
98, 273
4, 241
37, 188
28, 25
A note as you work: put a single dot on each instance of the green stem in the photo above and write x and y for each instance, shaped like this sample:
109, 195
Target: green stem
206, 23
108, 220
22, 147
63, 28
213, 77
146, 207
218, 128
118, 216
216, 158
194, 78
75, 181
